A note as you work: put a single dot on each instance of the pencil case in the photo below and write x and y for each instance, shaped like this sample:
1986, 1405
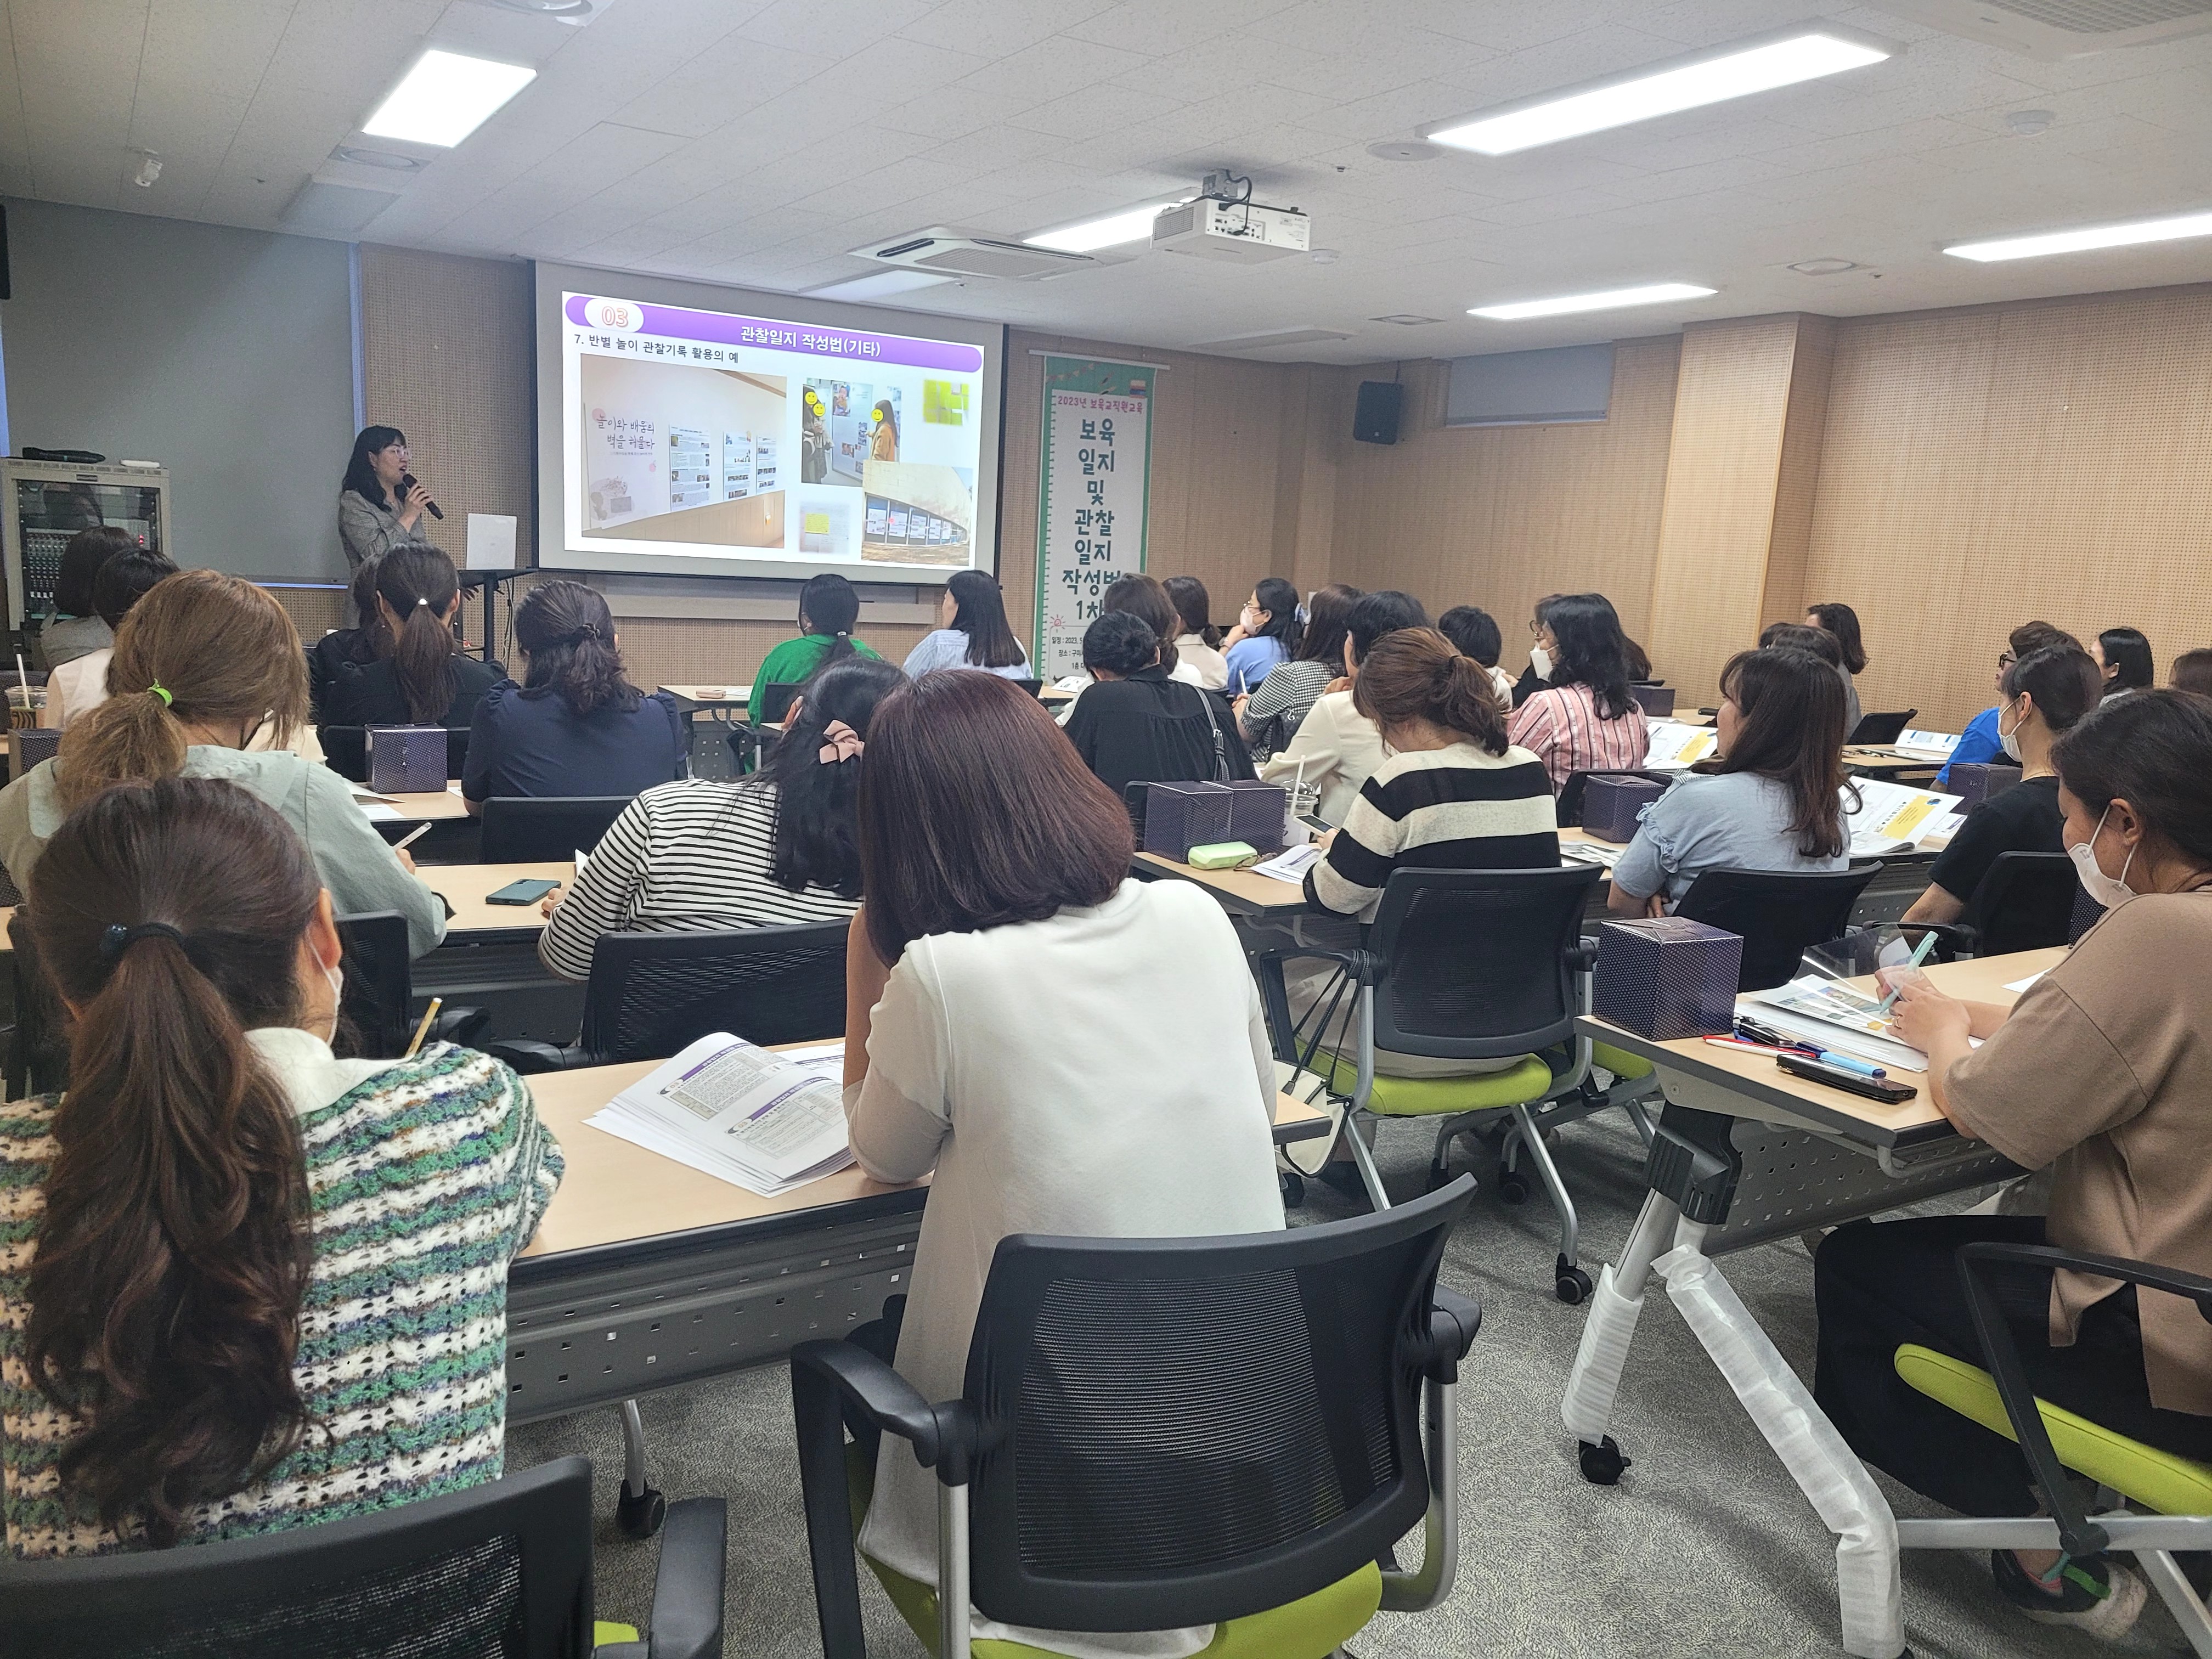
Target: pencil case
1221, 855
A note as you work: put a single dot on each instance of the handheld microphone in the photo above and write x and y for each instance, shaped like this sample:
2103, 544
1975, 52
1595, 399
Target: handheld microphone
407, 482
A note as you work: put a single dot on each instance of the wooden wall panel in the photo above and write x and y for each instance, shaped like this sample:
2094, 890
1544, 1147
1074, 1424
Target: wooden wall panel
1984, 466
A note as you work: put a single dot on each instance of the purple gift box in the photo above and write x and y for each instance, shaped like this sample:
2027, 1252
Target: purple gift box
1665, 977
1258, 814
1976, 781
1612, 807
1181, 815
407, 759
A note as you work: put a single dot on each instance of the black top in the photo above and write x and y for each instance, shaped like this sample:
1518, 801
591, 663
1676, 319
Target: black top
1527, 685
1149, 729
2024, 819
527, 743
367, 694
335, 651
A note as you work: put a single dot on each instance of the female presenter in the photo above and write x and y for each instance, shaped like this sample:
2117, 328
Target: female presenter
380, 507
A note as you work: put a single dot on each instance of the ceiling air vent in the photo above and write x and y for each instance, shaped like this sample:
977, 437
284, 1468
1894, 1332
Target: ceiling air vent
948, 253
2060, 28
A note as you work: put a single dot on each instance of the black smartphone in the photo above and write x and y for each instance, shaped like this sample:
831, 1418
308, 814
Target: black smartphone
1874, 1088
521, 892
1319, 826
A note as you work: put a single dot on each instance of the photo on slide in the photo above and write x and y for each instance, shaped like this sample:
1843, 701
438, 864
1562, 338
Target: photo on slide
680, 452
928, 513
845, 425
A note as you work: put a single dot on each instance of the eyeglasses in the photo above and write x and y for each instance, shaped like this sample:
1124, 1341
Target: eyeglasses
2006, 660
1535, 627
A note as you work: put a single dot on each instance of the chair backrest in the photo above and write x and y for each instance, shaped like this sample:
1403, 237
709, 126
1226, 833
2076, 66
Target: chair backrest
502, 1568
345, 750
1035, 688
651, 993
1780, 913
1475, 961
2024, 902
1181, 1431
776, 698
1568, 807
1880, 728
378, 985
34, 744
524, 829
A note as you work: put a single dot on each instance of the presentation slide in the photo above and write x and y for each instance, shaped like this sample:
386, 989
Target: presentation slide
689, 430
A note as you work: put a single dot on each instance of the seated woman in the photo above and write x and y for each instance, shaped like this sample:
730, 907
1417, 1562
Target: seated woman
1452, 794
575, 725
226, 1254
1266, 635
1842, 622
204, 666
73, 627
2124, 658
1136, 726
80, 685
712, 853
1474, 632
1270, 717
1978, 744
2101, 1066
1337, 748
1140, 597
1538, 673
2191, 672
828, 608
425, 678
1584, 719
1770, 798
2046, 695
994, 864
972, 632
347, 648
1197, 642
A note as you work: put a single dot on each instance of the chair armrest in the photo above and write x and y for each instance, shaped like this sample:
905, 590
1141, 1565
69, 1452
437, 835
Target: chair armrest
1582, 956
688, 1584
1952, 938
942, 1436
527, 1054
459, 1026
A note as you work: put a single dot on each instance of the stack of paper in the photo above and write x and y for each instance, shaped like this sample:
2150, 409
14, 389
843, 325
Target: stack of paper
1891, 817
764, 1121
1675, 746
1591, 852
1291, 865
1937, 745
1832, 1016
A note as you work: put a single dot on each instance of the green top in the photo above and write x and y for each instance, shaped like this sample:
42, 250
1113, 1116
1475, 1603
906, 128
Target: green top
793, 660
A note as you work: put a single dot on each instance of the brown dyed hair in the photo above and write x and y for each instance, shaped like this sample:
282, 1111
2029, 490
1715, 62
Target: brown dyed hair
1416, 673
1144, 598
569, 634
174, 1250
1798, 636
976, 812
222, 649
420, 585
1328, 613
1792, 706
2191, 672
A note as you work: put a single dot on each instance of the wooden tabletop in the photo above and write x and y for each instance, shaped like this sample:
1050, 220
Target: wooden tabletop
1244, 892
736, 696
614, 1192
465, 886
1756, 1077
1052, 696
412, 809
1881, 761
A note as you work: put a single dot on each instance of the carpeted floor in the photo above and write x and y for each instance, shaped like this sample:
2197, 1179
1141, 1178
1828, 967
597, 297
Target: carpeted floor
1705, 1547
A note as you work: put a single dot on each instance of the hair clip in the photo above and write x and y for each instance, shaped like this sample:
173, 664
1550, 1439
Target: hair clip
840, 742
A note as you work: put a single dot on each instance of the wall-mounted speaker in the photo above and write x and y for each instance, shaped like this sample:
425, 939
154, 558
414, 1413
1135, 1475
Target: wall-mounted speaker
1380, 404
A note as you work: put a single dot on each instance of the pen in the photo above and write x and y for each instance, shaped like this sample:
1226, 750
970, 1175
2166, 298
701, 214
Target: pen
411, 836
1919, 955
423, 1029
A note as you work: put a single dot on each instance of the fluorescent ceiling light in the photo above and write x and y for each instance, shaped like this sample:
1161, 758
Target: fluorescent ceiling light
2075, 241
444, 98
1128, 225
879, 285
1685, 84
1652, 295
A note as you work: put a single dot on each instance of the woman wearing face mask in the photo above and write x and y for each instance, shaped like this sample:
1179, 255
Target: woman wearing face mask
2101, 1066
2042, 696
1538, 674
1267, 634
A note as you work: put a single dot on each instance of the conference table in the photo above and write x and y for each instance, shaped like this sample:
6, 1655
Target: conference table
1745, 1153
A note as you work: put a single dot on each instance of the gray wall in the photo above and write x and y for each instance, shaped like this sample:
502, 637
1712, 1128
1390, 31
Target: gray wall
226, 354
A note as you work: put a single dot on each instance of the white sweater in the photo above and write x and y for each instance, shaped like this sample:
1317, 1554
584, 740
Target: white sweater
1340, 749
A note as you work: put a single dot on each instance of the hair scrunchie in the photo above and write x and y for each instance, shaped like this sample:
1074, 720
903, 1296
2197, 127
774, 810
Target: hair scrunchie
840, 742
155, 689
581, 632
118, 938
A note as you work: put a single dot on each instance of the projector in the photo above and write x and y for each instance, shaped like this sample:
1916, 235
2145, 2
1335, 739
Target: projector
1244, 234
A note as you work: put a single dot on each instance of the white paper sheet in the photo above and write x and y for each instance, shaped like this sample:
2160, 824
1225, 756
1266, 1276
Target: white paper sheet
1291, 865
2018, 985
764, 1121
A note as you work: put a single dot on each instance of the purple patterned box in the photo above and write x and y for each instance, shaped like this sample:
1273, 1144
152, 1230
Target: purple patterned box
1665, 977
1258, 813
407, 759
1976, 781
1612, 807
1181, 815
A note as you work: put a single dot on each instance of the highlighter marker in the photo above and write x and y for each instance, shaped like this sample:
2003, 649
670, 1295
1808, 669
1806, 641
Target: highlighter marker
1848, 1063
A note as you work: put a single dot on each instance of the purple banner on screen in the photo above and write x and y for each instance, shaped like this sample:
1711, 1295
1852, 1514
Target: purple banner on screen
719, 328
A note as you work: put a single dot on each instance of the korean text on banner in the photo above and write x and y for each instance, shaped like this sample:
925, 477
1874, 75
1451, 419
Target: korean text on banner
1096, 464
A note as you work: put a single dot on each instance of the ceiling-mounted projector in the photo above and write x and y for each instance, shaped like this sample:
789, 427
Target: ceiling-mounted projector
1243, 232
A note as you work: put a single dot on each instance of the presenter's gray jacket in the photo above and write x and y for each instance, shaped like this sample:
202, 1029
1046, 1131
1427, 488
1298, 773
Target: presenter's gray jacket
369, 532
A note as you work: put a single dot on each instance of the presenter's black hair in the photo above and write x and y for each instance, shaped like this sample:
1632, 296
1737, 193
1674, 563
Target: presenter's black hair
828, 605
816, 816
569, 634
1121, 642
1474, 632
2126, 650
1593, 651
979, 611
360, 475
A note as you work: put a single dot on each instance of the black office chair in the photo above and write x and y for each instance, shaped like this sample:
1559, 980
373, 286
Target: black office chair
652, 993
1166, 1431
753, 740
1878, 729
2024, 902
1655, 697
1779, 914
1569, 807
345, 750
376, 1006
504, 1568
547, 829
1035, 688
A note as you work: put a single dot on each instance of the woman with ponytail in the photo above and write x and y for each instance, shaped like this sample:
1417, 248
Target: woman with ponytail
575, 725
186, 1351
206, 665
422, 677
828, 608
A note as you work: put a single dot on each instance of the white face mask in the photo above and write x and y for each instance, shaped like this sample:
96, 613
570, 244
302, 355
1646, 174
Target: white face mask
2111, 891
1540, 661
336, 977
2008, 741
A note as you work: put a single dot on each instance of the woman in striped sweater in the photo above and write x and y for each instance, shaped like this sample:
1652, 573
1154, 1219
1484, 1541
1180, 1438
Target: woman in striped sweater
244, 1285
710, 854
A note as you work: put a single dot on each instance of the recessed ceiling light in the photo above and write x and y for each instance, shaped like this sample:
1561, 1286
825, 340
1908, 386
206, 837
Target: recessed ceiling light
547, 8
444, 97
1824, 267
1124, 225
1404, 149
879, 285
1686, 83
390, 160
2027, 122
1405, 320
1650, 294
2092, 236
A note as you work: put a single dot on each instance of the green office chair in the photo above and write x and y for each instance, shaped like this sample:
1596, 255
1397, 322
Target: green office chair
1473, 964
1162, 1432
2177, 1490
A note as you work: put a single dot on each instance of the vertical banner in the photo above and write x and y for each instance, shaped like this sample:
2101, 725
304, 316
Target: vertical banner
1096, 468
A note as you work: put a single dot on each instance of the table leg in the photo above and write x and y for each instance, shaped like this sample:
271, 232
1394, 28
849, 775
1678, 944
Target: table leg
1592, 1385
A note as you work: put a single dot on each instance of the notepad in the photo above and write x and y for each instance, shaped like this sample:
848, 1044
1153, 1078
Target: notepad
1675, 746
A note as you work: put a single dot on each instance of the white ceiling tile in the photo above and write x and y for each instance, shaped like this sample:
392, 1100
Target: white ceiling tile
1080, 113
727, 78
992, 25
1166, 28
837, 27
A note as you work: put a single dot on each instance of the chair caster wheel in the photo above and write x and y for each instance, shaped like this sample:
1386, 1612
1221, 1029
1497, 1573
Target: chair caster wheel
1571, 1285
640, 1516
1294, 1188
1602, 1463
1512, 1188
1440, 1176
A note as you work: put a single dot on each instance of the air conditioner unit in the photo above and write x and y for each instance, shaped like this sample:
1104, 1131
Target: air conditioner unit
948, 254
2059, 29
1246, 232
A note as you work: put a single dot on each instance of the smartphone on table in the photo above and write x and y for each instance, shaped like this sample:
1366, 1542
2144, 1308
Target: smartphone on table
527, 891
1874, 1088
